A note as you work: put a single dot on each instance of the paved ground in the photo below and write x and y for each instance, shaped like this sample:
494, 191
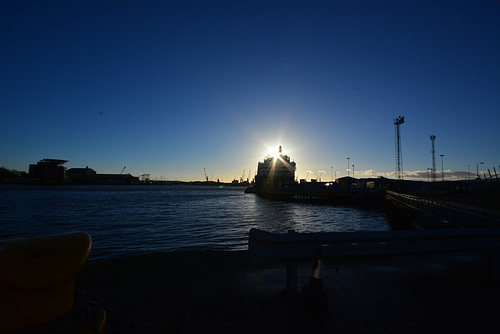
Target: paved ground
233, 292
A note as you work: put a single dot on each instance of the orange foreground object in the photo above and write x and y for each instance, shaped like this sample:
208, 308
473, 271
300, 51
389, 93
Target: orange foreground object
37, 278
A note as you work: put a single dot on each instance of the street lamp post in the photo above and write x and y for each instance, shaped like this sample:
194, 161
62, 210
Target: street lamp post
332, 173
352, 170
442, 168
348, 167
477, 169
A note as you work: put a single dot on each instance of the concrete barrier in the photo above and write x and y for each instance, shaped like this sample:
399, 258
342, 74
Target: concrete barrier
293, 246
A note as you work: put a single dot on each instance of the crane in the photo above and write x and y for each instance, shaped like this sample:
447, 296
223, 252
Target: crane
318, 175
123, 169
205, 172
242, 176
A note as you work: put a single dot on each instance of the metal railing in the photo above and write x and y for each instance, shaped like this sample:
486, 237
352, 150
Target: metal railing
293, 246
463, 216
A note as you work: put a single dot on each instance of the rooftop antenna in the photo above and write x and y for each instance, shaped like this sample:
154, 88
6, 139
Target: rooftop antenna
399, 159
433, 170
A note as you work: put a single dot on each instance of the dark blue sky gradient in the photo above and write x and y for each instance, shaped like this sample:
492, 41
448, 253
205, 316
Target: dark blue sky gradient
169, 88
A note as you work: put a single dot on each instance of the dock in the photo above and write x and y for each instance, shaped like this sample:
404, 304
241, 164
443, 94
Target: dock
406, 211
235, 292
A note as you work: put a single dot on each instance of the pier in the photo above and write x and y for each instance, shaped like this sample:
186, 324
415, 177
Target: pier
235, 292
327, 196
409, 211
408, 204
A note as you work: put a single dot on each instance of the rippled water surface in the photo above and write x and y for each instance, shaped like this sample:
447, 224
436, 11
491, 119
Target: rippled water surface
126, 220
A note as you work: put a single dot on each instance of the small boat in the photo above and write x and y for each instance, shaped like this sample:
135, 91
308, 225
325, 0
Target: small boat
251, 190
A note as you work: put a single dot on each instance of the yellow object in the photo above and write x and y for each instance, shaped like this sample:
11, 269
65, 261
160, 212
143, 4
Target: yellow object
37, 277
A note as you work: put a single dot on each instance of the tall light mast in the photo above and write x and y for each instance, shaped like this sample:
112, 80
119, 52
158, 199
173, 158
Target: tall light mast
433, 159
399, 159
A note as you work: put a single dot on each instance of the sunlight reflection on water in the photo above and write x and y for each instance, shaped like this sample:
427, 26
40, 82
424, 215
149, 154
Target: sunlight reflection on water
125, 220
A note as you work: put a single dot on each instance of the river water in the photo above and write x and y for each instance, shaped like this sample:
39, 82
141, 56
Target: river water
132, 220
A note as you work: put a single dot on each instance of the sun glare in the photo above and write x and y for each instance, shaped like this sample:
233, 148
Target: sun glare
276, 152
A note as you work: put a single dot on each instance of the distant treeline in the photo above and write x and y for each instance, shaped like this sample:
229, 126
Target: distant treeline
11, 175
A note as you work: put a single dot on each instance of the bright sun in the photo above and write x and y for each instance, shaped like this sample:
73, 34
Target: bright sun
276, 151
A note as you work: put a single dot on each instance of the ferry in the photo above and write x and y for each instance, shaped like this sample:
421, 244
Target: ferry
275, 174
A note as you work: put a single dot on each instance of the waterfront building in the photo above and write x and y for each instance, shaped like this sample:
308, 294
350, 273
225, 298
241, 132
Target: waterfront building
77, 175
47, 171
349, 183
110, 179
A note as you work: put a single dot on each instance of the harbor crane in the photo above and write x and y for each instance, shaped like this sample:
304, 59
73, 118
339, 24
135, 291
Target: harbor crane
318, 175
123, 169
242, 176
205, 172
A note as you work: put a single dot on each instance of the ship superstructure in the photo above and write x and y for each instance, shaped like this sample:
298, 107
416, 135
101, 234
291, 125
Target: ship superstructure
275, 173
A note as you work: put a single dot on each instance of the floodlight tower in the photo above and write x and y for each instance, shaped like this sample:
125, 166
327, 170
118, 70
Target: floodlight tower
399, 159
433, 158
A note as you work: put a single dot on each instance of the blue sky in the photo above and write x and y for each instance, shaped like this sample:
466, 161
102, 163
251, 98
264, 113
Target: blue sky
171, 87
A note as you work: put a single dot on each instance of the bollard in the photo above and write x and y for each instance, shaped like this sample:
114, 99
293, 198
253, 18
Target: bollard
313, 295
